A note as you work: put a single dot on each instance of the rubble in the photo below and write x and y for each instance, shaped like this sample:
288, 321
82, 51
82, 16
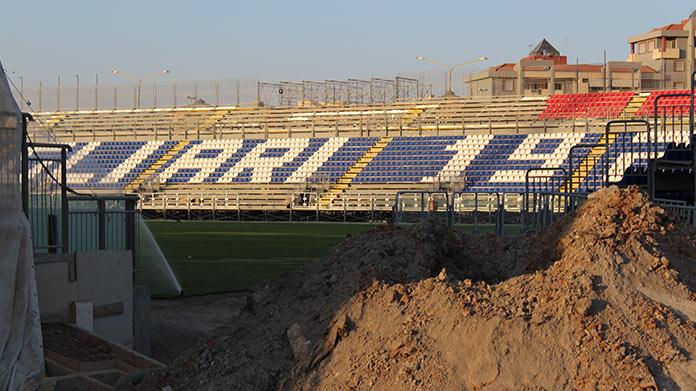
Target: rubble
603, 299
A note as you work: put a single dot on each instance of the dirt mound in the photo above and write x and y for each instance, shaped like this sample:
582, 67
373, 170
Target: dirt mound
603, 299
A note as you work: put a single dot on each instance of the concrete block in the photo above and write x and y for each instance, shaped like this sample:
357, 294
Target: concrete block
142, 334
105, 278
55, 290
83, 315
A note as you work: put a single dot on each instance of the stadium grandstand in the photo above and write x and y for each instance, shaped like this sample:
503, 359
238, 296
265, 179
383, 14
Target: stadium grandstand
125, 203
334, 147
355, 158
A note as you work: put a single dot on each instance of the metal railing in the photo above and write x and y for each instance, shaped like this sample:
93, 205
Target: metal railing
62, 223
498, 213
686, 213
102, 223
44, 196
544, 208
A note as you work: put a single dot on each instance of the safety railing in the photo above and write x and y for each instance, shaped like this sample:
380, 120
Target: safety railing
475, 212
102, 223
44, 196
61, 223
414, 206
544, 208
686, 213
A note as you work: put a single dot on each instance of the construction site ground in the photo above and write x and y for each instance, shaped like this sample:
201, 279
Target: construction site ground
603, 299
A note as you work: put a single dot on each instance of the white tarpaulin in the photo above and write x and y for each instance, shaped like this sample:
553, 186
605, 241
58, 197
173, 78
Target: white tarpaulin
21, 355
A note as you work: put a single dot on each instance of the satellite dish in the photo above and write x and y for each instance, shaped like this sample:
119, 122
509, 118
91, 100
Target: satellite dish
280, 90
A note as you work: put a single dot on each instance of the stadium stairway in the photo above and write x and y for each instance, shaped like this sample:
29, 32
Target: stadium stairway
135, 184
588, 163
635, 104
213, 119
412, 116
54, 119
343, 183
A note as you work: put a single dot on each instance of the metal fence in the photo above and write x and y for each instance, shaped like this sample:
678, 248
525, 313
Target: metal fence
78, 93
63, 223
102, 223
499, 213
44, 199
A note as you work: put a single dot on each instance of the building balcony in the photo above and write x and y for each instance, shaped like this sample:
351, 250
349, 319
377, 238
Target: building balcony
668, 54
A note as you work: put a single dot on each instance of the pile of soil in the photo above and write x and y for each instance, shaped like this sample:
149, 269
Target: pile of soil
603, 299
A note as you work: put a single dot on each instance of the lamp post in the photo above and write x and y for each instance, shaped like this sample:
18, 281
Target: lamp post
139, 81
450, 69
77, 92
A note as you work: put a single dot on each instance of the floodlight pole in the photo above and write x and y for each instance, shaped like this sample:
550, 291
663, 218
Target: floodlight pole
450, 69
139, 81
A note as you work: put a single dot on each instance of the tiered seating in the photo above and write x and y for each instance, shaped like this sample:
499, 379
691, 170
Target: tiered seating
670, 106
148, 124
409, 159
496, 112
482, 163
591, 105
232, 122
630, 151
107, 165
293, 160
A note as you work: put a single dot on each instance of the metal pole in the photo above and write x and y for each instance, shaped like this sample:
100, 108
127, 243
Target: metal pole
237, 93
25, 166
449, 81
64, 200
131, 243
21, 91
604, 72
58, 95
96, 92
101, 223
40, 96
77, 92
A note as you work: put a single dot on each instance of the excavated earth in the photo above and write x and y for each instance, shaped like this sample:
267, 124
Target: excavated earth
604, 299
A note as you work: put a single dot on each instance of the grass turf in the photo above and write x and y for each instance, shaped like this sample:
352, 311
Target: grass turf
209, 257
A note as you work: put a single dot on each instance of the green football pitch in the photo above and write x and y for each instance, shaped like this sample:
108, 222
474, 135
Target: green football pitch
209, 257
213, 257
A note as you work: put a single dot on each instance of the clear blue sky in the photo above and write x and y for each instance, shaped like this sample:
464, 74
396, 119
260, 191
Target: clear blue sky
293, 40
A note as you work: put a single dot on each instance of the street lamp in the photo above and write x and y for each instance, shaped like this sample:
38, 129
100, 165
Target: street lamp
77, 92
139, 81
450, 69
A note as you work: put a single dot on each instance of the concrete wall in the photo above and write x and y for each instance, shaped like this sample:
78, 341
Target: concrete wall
100, 277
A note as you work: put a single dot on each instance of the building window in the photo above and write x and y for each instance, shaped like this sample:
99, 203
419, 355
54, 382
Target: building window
671, 43
508, 85
651, 45
559, 86
641, 47
679, 66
